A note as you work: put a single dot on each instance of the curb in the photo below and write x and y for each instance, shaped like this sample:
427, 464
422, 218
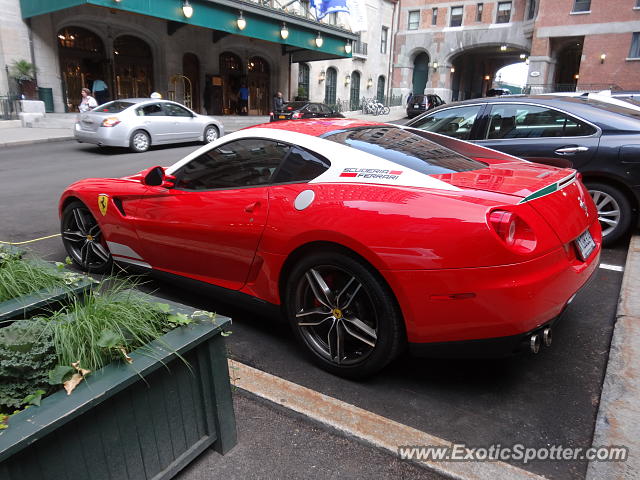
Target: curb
19, 143
618, 420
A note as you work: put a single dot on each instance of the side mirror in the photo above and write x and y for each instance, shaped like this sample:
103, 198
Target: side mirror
156, 177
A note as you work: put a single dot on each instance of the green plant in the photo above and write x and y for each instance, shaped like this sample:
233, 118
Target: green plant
22, 71
302, 92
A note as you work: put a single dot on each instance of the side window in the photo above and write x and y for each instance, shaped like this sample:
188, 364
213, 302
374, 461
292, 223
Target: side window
241, 163
301, 166
324, 109
530, 121
174, 110
452, 122
153, 110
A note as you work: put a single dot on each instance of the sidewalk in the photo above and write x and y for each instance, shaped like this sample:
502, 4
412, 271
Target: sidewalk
13, 136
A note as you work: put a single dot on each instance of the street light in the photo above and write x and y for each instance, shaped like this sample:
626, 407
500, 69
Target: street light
347, 80
241, 22
284, 31
347, 47
602, 57
370, 82
187, 9
319, 40
322, 75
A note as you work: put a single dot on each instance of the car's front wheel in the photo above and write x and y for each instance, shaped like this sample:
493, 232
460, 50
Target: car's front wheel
343, 314
140, 141
83, 239
211, 134
614, 210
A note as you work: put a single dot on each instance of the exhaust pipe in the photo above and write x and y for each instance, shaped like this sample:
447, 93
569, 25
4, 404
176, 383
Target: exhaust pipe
547, 337
534, 343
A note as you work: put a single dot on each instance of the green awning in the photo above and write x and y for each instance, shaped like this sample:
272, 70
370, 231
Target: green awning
263, 22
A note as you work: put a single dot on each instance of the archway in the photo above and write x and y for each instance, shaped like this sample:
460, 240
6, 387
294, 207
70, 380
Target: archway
258, 82
568, 58
354, 94
82, 60
420, 74
231, 73
380, 89
191, 70
133, 67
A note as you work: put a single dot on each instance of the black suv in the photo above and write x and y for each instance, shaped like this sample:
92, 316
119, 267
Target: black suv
599, 139
417, 104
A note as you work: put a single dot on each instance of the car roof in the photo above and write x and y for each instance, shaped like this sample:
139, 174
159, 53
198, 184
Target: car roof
317, 126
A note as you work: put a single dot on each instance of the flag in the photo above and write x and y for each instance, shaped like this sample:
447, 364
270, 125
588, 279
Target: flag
325, 7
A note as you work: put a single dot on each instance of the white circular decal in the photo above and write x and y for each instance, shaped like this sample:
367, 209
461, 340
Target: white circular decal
304, 199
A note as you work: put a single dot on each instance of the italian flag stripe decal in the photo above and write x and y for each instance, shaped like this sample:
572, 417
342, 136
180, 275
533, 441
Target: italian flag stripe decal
541, 193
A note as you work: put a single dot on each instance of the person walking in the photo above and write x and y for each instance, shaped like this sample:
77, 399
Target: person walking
100, 91
88, 102
278, 102
243, 96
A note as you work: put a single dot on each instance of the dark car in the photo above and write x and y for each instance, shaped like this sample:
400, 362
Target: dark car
417, 104
599, 139
496, 92
297, 110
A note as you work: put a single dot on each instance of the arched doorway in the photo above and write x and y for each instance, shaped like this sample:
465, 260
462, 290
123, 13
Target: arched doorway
258, 79
303, 82
133, 67
420, 74
231, 73
331, 82
354, 96
568, 67
191, 70
82, 60
380, 89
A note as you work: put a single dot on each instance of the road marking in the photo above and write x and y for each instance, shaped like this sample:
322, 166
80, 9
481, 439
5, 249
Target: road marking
615, 268
382, 432
30, 241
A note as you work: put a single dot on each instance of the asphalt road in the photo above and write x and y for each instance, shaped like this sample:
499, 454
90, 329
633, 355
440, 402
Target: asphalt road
548, 399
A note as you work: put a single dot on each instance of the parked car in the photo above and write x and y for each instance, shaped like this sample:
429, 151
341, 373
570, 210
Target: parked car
299, 110
366, 236
496, 92
417, 104
598, 138
139, 123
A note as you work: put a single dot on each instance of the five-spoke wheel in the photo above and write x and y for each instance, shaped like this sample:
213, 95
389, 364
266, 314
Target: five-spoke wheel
83, 240
344, 314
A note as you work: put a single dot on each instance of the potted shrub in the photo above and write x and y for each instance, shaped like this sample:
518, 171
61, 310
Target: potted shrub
302, 94
160, 394
24, 73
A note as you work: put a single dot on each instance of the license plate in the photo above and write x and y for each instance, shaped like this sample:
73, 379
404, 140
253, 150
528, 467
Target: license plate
585, 245
281, 117
416, 105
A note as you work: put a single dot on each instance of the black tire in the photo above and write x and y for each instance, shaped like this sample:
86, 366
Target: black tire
364, 330
140, 141
211, 134
614, 211
83, 239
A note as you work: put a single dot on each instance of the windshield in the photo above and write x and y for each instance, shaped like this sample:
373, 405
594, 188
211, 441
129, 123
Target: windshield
407, 148
113, 107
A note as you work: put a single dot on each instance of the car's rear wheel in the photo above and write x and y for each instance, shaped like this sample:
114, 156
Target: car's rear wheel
83, 239
614, 210
140, 141
211, 134
343, 314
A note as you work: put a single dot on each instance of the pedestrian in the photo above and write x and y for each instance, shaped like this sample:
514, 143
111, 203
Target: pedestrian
278, 102
88, 102
100, 91
243, 96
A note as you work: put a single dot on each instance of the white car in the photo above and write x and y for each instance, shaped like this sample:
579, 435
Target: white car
138, 123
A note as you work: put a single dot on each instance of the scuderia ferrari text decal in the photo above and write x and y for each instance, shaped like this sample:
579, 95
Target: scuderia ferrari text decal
373, 173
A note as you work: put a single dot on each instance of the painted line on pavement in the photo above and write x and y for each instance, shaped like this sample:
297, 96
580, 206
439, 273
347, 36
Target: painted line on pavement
615, 268
374, 429
30, 241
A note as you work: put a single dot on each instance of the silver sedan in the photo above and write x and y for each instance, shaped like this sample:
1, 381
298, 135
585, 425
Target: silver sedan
138, 123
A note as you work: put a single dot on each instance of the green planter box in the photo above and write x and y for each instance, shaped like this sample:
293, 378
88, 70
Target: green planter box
146, 420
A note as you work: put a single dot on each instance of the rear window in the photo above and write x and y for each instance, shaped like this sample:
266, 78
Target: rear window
610, 107
294, 105
407, 148
114, 107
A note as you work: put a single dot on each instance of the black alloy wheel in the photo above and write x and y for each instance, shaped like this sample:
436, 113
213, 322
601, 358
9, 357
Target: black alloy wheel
83, 239
344, 314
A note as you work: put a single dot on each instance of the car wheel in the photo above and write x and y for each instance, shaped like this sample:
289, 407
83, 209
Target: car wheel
614, 211
344, 314
211, 134
140, 141
83, 239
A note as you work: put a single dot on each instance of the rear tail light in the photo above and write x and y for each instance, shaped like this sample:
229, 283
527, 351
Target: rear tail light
296, 115
513, 231
110, 122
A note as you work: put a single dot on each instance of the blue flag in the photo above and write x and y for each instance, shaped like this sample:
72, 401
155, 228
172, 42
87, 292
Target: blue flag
325, 7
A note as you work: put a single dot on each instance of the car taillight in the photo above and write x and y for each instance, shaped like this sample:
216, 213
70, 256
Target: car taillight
110, 122
296, 115
513, 231
289, 108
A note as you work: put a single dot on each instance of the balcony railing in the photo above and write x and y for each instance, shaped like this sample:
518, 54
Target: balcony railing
360, 48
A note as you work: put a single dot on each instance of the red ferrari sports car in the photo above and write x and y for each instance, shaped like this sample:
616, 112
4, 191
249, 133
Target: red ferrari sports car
369, 237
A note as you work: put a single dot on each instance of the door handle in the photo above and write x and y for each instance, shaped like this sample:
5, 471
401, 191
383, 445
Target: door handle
251, 207
571, 150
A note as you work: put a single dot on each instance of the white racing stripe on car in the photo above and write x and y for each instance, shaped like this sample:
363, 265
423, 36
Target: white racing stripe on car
615, 268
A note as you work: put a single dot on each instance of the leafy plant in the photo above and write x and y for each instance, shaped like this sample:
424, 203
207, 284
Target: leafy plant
22, 71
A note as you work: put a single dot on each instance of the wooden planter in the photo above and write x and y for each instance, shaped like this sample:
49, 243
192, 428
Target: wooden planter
146, 420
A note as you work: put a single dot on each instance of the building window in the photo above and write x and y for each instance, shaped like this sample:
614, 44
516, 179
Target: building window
380, 89
504, 12
333, 18
456, 16
637, 3
581, 6
354, 94
532, 10
414, 19
303, 82
634, 52
479, 8
383, 40
434, 16
330, 86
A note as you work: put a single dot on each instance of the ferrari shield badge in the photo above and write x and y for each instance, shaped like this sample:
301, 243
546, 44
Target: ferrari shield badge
103, 203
